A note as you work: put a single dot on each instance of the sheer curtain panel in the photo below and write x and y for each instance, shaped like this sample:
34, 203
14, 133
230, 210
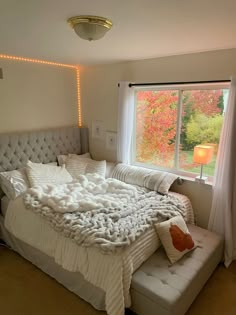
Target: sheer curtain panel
125, 122
223, 213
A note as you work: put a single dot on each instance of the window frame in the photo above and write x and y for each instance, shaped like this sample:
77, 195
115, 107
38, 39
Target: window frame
180, 88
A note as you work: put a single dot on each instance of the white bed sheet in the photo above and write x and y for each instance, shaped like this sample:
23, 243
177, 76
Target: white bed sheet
111, 273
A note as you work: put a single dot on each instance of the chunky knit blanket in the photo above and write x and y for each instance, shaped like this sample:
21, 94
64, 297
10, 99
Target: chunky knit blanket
105, 213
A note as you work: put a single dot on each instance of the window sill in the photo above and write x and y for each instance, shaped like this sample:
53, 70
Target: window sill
192, 179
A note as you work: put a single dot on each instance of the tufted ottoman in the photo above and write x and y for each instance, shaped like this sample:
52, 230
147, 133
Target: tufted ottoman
163, 289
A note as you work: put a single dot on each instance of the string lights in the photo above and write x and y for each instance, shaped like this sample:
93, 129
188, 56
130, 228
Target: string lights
78, 97
50, 63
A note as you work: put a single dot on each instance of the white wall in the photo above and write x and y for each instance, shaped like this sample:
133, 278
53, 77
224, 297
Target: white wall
99, 95
36, 96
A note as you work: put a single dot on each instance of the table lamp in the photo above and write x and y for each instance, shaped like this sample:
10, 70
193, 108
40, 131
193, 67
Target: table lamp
202, 155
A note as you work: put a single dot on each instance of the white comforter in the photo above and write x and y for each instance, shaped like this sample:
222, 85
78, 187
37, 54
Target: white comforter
111, 273
105, 213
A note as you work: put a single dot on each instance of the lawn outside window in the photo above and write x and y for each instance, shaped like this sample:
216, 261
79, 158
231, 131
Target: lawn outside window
170, 121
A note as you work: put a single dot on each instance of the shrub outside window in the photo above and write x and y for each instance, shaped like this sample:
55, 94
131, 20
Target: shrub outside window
170, 121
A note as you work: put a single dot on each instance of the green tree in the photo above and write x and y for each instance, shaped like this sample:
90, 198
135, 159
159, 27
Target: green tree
186, 115
203, 129
207, 102
220, 104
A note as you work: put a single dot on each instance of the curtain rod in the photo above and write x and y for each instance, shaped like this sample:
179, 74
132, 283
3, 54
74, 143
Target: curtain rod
176, 83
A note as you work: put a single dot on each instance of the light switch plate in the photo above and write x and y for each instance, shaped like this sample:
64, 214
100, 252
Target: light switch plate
97, 129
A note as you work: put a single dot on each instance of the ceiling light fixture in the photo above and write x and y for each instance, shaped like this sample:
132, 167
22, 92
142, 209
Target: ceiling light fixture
90, 27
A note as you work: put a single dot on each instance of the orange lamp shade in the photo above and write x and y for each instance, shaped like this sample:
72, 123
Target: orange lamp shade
202, 154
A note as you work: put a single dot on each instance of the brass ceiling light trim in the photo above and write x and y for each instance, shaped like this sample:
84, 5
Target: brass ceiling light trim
90, 27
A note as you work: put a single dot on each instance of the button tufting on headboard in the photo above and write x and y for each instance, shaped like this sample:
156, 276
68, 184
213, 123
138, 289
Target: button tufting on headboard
40, 146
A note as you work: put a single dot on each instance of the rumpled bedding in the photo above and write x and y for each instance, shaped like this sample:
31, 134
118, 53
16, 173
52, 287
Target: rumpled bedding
105, 213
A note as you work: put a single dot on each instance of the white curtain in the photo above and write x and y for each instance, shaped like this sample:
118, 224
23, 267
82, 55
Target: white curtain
125, 122
223, 212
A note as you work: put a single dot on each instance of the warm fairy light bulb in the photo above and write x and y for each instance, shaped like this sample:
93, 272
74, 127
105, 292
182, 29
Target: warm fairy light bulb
2, 56
36, 61
78, 97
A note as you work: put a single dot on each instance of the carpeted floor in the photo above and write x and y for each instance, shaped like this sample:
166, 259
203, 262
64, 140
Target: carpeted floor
25, 290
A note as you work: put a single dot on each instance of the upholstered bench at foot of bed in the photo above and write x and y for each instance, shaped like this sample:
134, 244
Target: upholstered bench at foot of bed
159, 288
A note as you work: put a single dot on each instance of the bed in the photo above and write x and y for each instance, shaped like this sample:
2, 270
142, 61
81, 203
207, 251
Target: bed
101, 279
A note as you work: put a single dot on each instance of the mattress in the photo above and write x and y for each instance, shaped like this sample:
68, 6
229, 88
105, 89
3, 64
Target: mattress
110, 273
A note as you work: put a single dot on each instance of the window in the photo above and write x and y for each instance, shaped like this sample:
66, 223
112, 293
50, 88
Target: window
170, 121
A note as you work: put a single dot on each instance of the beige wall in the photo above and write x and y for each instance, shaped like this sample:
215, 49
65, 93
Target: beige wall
99, 95
36, 96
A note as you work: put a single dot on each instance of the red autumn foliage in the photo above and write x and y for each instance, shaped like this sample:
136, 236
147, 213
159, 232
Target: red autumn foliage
156, 125
205, 101
156, 121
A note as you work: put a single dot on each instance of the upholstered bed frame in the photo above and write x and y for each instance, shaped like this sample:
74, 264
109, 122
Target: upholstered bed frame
44, 146
40, 146
153, 285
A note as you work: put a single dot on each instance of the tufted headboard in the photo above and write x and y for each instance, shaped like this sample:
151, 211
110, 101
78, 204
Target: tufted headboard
40, 146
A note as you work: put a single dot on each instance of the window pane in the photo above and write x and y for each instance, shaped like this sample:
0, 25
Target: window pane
202, 118
156, 114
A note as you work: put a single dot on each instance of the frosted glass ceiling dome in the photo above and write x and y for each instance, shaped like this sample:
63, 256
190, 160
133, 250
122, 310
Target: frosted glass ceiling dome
90, 27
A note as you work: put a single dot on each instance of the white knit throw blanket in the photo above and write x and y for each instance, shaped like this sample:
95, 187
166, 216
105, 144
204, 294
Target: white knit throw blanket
105, 213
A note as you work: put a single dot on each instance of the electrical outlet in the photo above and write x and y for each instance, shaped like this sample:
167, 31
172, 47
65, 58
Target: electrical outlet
111, 140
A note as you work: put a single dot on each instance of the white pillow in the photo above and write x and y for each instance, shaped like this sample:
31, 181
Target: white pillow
62, 158
154, 180
175, 238
14, 183
77, 165
40, 174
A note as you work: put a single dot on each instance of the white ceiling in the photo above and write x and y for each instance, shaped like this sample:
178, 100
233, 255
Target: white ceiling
142, 29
